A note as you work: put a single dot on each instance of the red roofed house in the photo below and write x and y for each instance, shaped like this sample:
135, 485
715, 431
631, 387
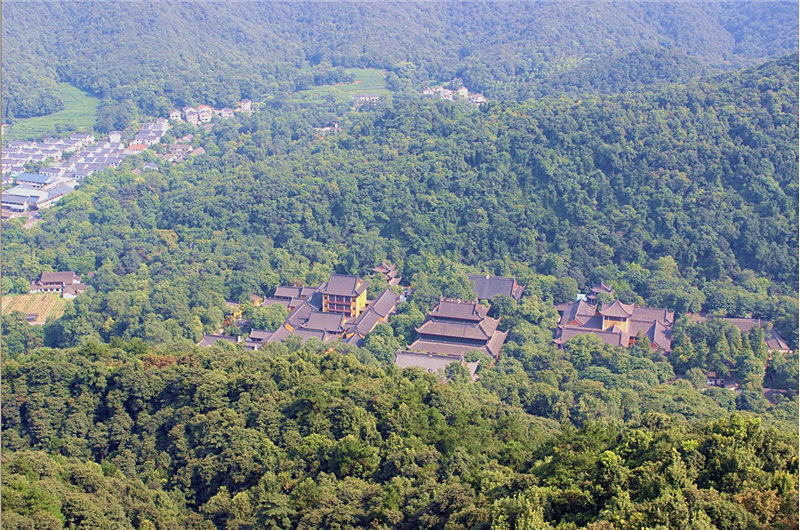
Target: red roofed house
135, 149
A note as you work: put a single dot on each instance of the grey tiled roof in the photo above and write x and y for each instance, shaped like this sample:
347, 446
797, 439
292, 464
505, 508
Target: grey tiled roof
487, 287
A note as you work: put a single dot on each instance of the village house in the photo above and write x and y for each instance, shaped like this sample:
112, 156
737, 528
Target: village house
616, 324
191, 115
204, 113
81, 140
712, 379
35, 181
54, 195
57, 282
329, 130
180, 150
487, 287
16, 203
21, 198
478, 99
135, 149
244, 105
175, 115
363, 99
54, 172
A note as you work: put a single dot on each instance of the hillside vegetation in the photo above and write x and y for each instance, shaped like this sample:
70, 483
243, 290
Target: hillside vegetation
297, 437
687, 197
218, 52
651, 146
78, 114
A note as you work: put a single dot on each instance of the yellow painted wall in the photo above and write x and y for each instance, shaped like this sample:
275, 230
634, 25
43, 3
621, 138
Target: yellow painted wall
609, 323
361, 303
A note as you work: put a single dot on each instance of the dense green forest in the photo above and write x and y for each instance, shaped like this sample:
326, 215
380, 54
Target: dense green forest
219, 52
302, 437
652, 146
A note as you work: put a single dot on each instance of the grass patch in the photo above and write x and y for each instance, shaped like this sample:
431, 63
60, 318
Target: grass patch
79, 114
367, 81
44, 305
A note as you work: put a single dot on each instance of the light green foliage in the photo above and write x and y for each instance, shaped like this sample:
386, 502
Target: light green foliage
267, 318
78, 114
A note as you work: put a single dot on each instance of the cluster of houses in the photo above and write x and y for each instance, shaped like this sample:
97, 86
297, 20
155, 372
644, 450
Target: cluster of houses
451, 95
35, 191
365, 99
20, 152
150, 134
205, 113
181, 149
67, 284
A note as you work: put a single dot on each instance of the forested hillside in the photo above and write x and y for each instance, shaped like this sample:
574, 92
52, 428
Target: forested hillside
299, 437
164, 54
651, 146
686, 197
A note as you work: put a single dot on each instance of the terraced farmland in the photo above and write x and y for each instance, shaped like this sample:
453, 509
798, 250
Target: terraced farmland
43, 305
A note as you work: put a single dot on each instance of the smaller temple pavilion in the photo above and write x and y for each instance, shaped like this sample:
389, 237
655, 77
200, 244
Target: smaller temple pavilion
616, 324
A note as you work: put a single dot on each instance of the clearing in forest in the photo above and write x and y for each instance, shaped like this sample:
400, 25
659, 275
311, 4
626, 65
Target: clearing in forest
367, 81
79, 114
43, 305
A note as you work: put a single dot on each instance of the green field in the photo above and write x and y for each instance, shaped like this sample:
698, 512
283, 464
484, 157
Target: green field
368, 81
79, 114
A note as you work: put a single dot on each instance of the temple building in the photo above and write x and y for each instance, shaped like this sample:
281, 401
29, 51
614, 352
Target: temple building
457, 327
487, 287
344, 294
336, 310
389, 272
616, 324
772, 338
451, 330
598, 290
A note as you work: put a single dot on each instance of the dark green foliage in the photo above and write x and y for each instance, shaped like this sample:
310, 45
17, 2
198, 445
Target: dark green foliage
299, 436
